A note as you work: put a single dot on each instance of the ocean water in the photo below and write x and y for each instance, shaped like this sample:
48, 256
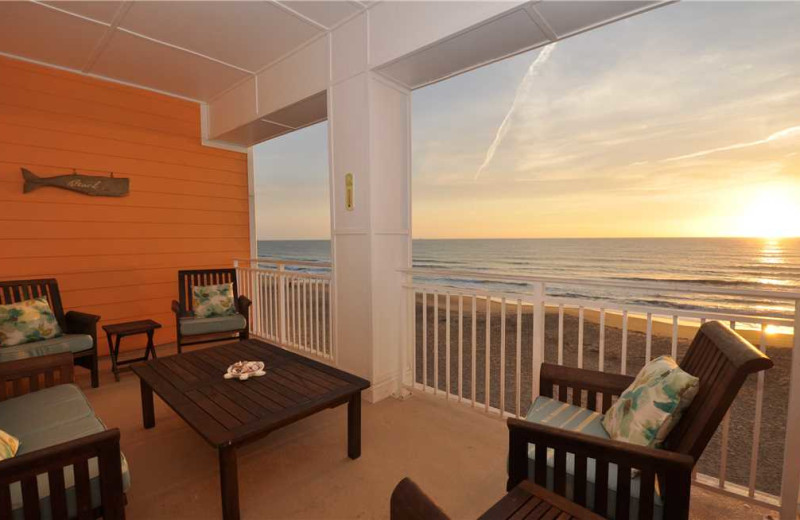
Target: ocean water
730, 263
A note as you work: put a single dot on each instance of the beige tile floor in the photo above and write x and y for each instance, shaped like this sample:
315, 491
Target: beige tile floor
456, 455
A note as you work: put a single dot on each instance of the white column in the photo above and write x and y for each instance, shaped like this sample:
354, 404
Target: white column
369, 138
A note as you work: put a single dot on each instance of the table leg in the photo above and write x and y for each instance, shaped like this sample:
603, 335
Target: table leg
112, 356
115, 357
354, 426
148, 414
151, 348
229, 482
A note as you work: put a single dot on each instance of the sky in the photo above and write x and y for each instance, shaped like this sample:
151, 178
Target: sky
683, 121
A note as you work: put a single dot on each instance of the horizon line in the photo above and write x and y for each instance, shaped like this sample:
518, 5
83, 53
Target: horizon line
550, 238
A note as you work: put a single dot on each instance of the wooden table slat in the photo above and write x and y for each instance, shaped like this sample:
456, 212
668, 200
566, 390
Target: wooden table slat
215, 411
318, 377
195, 416
166, 374
245, 392
295, 383
240, 413
304, 379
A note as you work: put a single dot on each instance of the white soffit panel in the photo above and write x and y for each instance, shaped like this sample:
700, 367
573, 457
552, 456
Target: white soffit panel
303, 113
147, 63
39, 33
328, 13
100, 10
567, 18
398, 28
502, 36
253, 133
249, 35
234, 108
295, 78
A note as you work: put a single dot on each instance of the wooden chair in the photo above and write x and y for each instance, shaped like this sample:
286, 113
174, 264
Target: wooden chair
527, 501
720, 357
72, 322
39, 475
187, 279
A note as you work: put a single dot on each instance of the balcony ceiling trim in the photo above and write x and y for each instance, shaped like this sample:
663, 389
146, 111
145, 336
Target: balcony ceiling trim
289, 12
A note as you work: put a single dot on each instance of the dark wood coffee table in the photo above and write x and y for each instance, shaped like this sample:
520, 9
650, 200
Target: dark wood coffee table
229, 413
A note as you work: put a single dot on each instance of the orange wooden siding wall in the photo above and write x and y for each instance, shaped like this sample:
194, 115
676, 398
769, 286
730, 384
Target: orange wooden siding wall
116, 257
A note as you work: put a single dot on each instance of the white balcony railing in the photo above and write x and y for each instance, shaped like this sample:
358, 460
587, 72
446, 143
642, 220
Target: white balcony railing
291, 303
483, 348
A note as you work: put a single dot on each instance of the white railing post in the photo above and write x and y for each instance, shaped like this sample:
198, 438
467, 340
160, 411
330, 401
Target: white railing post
407, 342
790, 483
281, 305
538, 336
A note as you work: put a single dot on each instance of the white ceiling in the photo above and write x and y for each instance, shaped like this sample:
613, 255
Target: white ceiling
191, 49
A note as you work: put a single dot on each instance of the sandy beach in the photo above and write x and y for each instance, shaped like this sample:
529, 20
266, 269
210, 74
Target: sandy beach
770, 450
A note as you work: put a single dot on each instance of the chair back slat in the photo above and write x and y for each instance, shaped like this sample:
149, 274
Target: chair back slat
58, 493
722, 359
579, 482
30, 498
190, 278
82, 490
560, 471
647, 491
5, 502
15, 291
623, 498
601, 486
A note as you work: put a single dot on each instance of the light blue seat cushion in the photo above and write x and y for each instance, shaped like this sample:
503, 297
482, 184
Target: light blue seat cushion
558, 414
65, 343
43, 410
197, 326
45, 418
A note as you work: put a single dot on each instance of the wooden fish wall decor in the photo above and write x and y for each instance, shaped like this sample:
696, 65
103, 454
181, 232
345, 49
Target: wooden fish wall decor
86, 184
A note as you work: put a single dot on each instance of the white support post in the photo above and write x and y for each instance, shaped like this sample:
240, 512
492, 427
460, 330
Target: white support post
281, 305
538, 336
408, 342
790, 483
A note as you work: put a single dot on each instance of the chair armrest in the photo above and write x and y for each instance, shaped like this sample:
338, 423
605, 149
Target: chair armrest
31, 374
81, 323
176, 309
594, 382
103, 445
244, 305
409, 502
673, 469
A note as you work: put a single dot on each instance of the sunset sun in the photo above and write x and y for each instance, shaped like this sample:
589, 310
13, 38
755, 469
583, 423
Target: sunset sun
773, 212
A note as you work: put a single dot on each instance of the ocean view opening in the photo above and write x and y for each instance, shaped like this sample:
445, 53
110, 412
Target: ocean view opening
292, 172
627, 185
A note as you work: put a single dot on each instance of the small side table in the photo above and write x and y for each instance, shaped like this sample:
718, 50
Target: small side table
121, 330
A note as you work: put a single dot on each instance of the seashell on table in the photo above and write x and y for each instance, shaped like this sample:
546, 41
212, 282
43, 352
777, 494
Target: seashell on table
243, 370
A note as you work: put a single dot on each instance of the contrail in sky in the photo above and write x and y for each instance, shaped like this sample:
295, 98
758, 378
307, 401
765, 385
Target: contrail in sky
522, 92
783, 134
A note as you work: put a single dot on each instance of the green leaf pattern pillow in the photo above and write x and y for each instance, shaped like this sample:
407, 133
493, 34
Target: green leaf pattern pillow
213, 300
652, 405
27, 321
8, 445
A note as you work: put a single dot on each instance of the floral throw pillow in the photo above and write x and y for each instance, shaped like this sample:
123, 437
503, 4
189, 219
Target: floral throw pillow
647, 410
213, 300
8, 445
27, 321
